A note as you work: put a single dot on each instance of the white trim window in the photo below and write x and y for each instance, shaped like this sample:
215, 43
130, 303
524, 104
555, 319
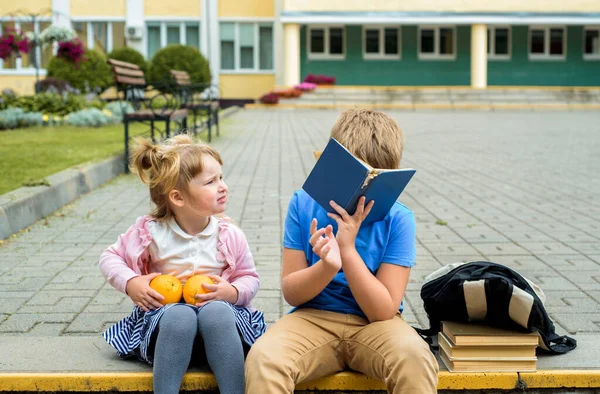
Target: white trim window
381, 42
161, 34
499, 42
24, 65
437, 42
591, 42
326, 42
102, 36
246, 47
547, 42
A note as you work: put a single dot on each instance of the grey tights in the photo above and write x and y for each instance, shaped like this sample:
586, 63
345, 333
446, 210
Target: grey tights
215, 325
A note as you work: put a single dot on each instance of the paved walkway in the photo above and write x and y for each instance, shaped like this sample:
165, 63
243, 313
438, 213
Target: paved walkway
511, 187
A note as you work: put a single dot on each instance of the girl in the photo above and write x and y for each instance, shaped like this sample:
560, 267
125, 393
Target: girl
184, 236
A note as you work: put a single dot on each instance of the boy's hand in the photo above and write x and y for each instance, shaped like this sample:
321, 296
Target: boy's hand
348, 225
221, 290
139, 290
325, 245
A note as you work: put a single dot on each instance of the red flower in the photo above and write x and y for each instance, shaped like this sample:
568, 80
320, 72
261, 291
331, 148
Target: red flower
71, 51
13, 42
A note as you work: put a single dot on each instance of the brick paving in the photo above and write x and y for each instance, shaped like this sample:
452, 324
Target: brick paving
517, 188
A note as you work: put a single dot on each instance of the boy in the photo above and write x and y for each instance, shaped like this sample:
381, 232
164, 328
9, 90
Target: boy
347, 283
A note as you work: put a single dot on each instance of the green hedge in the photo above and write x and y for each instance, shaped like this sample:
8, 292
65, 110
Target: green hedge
130, 55
92, 74
181, 58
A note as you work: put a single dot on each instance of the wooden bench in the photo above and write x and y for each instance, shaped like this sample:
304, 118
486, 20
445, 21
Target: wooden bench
190, 98
157, 107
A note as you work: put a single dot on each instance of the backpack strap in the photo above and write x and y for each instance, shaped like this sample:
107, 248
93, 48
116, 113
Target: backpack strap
560, 344
427, 335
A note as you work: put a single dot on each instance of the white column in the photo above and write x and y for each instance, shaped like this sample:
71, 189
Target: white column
61, 13
479, 56
291, 39
213, 38
278, 53
204, 33
134, 11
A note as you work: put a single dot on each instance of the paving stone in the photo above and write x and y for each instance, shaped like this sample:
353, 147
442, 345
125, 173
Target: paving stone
23, 322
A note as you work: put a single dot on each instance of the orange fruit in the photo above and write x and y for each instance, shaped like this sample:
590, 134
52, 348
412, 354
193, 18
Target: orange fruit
194, 286
169, 287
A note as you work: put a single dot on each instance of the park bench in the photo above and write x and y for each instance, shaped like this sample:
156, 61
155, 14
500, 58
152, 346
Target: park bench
199, 99
150, 106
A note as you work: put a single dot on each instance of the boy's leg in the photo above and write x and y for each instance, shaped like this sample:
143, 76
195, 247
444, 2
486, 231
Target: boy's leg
223, 345
394, 353
176, 332
301, 346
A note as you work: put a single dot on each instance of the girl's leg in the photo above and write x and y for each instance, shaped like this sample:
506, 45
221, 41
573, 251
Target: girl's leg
223, 345
393, 352
176, 332
301, 346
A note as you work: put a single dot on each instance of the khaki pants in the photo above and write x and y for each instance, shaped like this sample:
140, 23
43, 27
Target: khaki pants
309, 344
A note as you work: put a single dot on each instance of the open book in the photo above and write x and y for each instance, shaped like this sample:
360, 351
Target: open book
343, 178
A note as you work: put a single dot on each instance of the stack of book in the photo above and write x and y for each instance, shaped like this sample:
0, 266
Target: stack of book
466, 347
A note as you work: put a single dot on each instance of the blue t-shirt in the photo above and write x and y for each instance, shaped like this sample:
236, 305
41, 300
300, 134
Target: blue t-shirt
391, 240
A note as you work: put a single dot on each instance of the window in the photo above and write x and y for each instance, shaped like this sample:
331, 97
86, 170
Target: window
498, 42
326, 42
546, 43
101, 36
437, 42
381, 42
161, 34
26, 63
246, 47
591, 42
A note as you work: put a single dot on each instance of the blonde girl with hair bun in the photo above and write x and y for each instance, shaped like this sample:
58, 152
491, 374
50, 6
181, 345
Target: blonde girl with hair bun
185, 234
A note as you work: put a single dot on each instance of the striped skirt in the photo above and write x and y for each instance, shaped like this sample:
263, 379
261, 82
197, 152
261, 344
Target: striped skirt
132, 336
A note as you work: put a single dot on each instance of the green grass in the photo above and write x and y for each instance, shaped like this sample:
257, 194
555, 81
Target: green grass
29, 155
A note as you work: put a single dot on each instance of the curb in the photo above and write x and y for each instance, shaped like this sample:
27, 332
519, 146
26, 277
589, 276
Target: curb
432, 106
343, 381
24, 206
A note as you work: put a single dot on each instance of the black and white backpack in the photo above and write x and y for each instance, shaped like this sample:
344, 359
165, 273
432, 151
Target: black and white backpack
491, 294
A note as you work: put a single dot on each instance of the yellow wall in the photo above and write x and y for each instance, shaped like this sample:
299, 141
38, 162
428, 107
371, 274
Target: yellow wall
187, 8
98, 8
21, 84
33, 6
245, 86
247, 8
444, 5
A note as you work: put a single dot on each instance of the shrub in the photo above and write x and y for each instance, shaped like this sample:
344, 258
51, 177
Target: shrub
92, 74
51, 103
130, 55
320, 79
16, 117
288, 93
92, 117
7, 98
117, 108
181, 58
269, 98
55, 85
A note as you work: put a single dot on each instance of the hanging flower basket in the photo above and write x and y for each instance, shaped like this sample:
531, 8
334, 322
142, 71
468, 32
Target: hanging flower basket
13, 42
71, 51
55, 33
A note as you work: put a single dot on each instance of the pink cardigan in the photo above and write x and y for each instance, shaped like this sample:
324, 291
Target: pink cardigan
129, 257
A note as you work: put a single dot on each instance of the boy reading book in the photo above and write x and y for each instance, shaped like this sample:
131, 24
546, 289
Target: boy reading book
344, 178
346, 282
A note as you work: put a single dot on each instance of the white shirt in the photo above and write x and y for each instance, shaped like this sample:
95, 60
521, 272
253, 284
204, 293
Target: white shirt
175, 252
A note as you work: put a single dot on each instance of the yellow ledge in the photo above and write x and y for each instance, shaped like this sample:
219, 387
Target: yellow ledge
348, 381
454, 87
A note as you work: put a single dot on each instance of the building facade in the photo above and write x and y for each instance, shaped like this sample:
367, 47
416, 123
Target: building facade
254, 45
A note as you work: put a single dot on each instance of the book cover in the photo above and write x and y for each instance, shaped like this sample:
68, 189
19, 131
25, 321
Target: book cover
489, 364
455, 351
467, 334
341, 177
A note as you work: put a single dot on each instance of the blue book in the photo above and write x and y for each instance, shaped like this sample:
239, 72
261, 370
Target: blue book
340, 176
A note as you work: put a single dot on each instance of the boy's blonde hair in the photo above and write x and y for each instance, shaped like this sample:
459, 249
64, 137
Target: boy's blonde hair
372, 136
168, 166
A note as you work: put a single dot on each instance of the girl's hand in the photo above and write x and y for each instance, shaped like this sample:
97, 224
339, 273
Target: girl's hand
325, 245
348, 226
142, 295
221, 290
